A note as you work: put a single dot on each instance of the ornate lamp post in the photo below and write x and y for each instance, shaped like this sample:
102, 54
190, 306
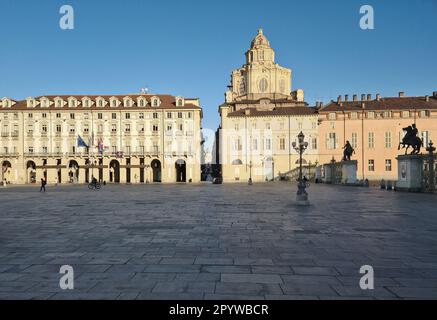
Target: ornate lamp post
431, 162
300, 147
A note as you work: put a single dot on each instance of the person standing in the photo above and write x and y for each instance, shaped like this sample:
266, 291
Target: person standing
43, 185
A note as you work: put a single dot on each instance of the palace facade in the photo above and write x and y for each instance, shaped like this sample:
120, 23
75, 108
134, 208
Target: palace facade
260, 119
132, 138
373, 126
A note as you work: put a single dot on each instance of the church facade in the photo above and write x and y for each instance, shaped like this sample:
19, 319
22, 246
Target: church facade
261, 118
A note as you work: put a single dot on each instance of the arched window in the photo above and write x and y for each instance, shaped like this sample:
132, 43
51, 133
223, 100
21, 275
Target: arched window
237, 162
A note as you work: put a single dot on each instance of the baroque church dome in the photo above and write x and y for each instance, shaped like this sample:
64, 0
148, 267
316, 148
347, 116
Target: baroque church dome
260, 40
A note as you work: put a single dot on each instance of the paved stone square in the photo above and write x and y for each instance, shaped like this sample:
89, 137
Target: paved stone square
216, 242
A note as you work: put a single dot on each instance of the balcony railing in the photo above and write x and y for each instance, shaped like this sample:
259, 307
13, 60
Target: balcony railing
9, 154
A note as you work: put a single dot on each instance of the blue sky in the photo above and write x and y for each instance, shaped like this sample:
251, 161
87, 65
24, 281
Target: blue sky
190, 47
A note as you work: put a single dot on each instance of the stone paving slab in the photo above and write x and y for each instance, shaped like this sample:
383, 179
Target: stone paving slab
203, 241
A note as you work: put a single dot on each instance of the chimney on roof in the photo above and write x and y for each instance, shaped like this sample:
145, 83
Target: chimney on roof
339, 100
401, 94
427, 98
369, 97
378, 97
363, 97
346, 98
355, 98
434, 94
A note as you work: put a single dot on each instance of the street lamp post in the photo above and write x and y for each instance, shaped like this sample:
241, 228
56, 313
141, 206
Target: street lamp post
300, 147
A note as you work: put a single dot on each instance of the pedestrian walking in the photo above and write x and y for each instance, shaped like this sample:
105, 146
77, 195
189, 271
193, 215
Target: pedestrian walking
43, 185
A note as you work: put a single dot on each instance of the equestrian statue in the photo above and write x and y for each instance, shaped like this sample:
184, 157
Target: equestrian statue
411, 140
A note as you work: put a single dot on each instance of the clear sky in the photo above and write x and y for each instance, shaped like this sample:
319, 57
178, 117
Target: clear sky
190, 47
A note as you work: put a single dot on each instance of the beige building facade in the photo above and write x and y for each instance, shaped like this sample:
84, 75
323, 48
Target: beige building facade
260, 119
133, 138
373, 126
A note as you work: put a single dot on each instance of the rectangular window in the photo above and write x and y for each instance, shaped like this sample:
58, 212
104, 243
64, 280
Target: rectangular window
72, 116
58, 115
424, 113
44, 115
30, 115
100, 116
114, 116
387, 164
371, 165
44, 128
113, 128
44, 150
180, 115
354, 140
127, 128
169, 115
332, 116
155, 115
268, 144
425, 138
388, 140
127, 116
141, 115
405, 114
332, 141
387, 114
155, 128
58, 128
314, 143
370, 115
371, 140
30, 149
354, 115
255, 144
282, 144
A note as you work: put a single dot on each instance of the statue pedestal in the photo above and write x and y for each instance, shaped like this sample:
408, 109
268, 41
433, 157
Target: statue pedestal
349, 172
409, 173
328, 173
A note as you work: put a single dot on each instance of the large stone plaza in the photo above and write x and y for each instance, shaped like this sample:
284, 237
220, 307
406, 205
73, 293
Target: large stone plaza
204, 241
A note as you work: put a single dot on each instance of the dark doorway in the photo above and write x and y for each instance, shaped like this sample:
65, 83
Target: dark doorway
128, 180
31, 170
156, 168
114, 171
181, 171
141, 170
73, 172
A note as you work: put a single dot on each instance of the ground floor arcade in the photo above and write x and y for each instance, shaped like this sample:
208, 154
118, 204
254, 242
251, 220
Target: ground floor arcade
105, 169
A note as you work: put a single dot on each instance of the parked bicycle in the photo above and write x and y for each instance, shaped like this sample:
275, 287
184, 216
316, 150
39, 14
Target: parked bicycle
94, 186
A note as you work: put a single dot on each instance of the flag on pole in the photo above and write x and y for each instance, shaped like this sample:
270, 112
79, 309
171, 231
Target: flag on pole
80, 142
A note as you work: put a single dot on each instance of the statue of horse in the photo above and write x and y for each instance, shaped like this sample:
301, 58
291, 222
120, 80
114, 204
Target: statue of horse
411, 140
